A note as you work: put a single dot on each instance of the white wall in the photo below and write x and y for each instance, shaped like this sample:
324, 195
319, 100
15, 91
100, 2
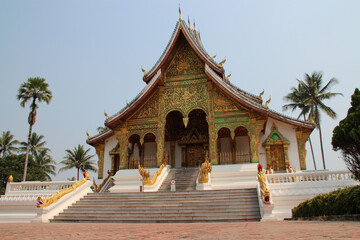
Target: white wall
110, 143
288, 131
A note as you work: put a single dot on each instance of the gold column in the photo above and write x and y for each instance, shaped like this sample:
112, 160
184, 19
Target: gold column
268, 156
218, 145
286, 154
233, 148
160, 138
211, 124
113, 164
121, 136
302, 137
254, 134
142, 149
100, 152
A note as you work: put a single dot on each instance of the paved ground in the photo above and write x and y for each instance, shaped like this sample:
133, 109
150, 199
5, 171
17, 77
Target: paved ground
233, 230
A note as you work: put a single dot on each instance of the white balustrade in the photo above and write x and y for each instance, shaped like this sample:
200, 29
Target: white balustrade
309, 176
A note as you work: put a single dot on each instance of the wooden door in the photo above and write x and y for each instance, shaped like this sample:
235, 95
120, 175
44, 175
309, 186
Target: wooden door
277, 157
195, 155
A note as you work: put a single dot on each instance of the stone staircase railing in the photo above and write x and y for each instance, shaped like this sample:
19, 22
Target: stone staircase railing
309, 176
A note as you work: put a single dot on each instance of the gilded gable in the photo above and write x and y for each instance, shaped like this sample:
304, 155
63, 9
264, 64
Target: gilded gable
149, 109
185, 62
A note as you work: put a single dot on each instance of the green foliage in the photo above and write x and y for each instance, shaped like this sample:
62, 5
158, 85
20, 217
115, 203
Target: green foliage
78, 158
36, 145
346, 136
340, 202
7, 144
13, 165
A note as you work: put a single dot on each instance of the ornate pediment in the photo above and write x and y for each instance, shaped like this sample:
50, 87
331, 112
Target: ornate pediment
222, 103
185, 62
275, 138
149, 109
194, 137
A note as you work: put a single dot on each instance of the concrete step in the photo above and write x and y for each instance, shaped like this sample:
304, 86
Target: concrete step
187, 206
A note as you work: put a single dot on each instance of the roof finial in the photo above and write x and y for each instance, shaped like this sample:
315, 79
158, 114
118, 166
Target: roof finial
227, 77
267, 102
106, 115
143, 70
221, 64
180, 18
88, 135
189, 23
194, 26
260, 95
213, 57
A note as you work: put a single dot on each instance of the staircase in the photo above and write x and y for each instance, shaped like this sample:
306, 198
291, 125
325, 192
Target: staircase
183, 206
185, 179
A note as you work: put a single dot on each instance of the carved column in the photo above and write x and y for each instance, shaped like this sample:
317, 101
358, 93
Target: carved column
218, 146
121, 136
142, 151
100, 152
233, 148
268, 156
286, 154
302, 137
211, 124
160, 138
113, 164
254, 134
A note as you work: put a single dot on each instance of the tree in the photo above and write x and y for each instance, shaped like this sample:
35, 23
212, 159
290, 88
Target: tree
102, 129
46, 163
78, 158
35, 89
36, 145
297, 102
313, 95
13, 165
7, 144
346, 136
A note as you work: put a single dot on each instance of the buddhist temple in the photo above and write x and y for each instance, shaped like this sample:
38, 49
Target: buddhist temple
190, 147
189, 109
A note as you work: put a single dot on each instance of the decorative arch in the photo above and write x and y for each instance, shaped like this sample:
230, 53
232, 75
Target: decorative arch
276, 146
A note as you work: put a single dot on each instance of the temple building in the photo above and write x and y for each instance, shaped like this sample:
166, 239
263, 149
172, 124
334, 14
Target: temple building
189, 109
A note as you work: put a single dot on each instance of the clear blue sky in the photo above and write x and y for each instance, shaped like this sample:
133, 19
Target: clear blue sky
90, 52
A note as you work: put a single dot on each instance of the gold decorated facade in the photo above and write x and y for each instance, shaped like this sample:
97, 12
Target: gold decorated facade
189, 104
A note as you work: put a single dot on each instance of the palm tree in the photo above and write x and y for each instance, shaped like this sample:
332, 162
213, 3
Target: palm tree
102, 129
35, 89
36, 145
313, 95
46, 163
7, 144
78, 158
297, 102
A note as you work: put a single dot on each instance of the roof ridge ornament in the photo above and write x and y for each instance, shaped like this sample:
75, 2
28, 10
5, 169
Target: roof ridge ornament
88, 135
213, 57
267, 102
260, 95
143, 70
227, 77
189, 23
221, 64
180, 18
106, 115
194, 26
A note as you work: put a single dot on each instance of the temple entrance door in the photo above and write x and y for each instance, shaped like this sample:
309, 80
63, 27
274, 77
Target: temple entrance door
195, 155
277, 157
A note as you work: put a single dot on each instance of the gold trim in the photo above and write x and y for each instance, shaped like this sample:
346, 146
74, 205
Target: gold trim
55, 197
